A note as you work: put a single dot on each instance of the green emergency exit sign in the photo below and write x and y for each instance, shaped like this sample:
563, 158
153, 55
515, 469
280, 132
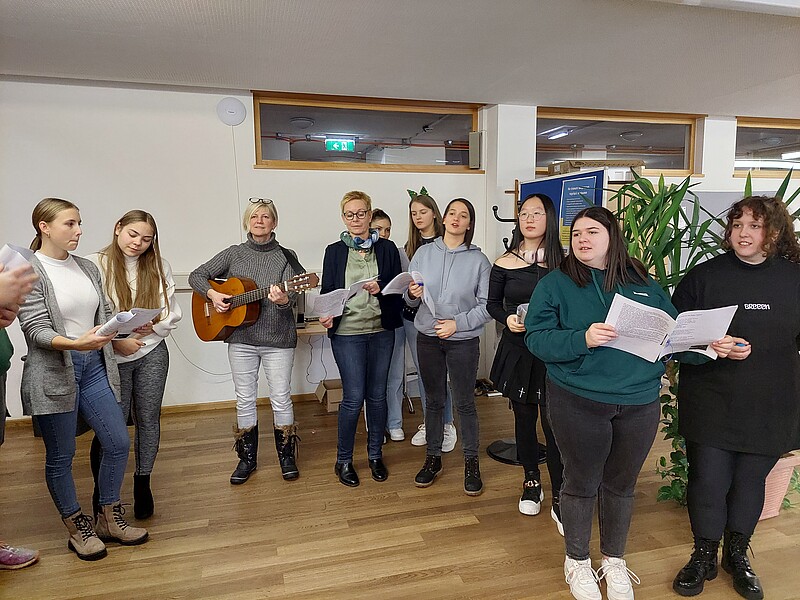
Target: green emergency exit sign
340, 145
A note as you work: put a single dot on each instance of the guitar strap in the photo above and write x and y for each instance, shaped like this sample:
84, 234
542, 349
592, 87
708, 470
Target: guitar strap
293, 262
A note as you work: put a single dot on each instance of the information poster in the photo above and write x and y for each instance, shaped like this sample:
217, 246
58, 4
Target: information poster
570, 194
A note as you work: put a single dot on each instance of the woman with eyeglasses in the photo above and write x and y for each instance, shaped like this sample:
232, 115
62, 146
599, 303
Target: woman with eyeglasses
455, 283
424, 226
739, 415
535, 250
70, 371
135, 275
268, 343
602, 402
362, 338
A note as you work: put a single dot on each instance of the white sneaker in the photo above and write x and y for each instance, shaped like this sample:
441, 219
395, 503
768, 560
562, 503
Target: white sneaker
397, 435
618, 578
582, 579
450, 437
419, 438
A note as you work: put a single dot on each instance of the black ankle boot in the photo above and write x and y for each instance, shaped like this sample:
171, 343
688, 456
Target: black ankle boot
95, 456
473, 485
702, 567
735, 562
246, 446
286, 445
142, 497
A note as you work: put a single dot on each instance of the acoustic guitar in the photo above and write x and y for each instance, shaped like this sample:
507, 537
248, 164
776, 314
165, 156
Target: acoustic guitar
245, 304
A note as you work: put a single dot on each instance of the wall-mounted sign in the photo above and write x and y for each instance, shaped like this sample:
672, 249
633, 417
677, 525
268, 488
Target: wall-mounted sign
332, 145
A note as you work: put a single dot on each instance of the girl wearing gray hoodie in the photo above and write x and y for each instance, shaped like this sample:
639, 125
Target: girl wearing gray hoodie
450, 319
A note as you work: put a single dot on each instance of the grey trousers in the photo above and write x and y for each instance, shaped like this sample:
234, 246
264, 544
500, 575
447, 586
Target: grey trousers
603, 447
142, 384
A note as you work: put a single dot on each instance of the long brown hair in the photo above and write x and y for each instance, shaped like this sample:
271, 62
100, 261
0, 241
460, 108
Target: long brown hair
414, 234
47, 210
779, 237
621, 269
151, 284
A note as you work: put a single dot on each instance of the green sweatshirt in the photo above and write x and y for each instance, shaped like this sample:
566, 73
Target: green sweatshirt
559, 314
6, 350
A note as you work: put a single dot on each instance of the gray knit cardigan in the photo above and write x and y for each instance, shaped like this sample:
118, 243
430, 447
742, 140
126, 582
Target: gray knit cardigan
48, 377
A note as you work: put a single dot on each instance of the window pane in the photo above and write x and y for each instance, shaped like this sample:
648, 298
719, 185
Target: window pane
320, 134
659, 145
767, 149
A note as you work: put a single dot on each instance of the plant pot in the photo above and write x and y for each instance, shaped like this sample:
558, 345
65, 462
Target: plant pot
777, 484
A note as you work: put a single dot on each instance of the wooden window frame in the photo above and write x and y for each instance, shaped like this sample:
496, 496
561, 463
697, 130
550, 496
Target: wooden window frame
590, 114
759, 122
359, 103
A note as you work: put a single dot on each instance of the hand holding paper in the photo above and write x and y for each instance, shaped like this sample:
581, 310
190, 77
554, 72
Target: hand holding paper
126, 321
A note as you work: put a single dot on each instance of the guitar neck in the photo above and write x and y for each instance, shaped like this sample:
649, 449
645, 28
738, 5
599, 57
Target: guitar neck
253, 296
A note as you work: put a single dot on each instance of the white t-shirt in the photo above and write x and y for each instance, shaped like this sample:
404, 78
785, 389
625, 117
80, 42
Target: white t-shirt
75, 293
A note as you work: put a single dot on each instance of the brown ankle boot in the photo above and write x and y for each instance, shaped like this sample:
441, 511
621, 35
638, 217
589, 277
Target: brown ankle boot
83, 540
112, 527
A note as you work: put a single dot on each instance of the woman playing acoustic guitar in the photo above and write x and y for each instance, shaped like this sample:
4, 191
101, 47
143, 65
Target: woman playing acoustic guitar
269, 342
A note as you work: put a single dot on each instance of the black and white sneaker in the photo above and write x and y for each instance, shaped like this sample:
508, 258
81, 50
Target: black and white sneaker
532, 495
555, 513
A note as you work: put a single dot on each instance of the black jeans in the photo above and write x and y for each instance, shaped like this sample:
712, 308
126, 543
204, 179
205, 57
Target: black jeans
459, 358
603, 447
525, 417
726, 489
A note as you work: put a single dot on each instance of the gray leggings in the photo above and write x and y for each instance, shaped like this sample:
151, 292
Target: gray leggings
142, 383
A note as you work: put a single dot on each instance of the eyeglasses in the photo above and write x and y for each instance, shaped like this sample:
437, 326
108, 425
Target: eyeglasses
265, 201
535, 216
350, 215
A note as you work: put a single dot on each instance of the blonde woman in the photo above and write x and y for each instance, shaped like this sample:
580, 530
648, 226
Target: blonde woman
268, 343
69, 371
135, 275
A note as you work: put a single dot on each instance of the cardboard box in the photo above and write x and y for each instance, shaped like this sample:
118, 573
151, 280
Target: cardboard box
329, 393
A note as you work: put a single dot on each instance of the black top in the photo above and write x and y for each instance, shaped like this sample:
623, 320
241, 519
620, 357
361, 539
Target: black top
517, 373
752, 405
333, 276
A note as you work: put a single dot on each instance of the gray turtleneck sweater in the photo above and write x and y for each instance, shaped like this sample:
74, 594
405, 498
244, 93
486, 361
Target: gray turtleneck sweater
266, 265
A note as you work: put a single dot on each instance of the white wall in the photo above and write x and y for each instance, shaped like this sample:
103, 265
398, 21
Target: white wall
111, 149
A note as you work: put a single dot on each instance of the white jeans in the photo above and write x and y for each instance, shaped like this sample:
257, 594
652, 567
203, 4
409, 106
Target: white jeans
245, 361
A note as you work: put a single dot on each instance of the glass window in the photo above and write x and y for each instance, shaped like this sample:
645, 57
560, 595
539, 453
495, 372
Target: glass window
319, 132
767, 147
664, 142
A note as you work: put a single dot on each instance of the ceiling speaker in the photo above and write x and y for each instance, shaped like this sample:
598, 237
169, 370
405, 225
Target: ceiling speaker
231, 111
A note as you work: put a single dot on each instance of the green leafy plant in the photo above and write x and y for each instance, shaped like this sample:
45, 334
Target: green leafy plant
670, 232
794, 490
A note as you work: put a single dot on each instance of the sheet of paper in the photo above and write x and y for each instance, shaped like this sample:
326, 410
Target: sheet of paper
642, 330
358, 286
13, 256
126, 321
522, 312
330, 304
696, 329
400, 284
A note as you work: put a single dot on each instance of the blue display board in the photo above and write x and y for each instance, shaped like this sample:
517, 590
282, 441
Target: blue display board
570, 193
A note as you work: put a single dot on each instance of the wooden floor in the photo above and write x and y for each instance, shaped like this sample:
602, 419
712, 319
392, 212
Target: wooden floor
314, 538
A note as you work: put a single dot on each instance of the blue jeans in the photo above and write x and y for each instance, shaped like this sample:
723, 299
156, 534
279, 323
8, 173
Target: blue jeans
363, 362
98, 406
394, 383
459, 359
411, 338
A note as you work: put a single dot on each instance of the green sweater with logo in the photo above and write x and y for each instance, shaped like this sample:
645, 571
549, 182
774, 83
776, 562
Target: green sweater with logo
6, 351
559, 314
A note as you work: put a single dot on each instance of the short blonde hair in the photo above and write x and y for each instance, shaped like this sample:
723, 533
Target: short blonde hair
252, 207
356, 195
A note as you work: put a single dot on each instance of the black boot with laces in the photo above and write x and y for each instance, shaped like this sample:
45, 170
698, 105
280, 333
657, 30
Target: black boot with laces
427, 474
473, 486
702, 567
735, 562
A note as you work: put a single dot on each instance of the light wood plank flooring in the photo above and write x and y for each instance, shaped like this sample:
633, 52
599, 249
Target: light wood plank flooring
314, 538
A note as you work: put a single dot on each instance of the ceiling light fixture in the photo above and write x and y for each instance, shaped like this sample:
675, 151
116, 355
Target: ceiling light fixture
773, 140
302, 122
790, 155
559, 134
631, 136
